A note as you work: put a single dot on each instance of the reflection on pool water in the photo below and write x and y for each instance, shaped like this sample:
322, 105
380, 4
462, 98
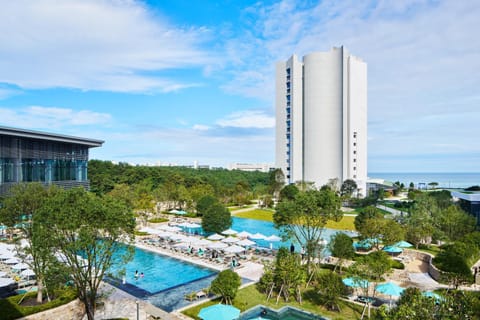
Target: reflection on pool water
285, 313
159, 272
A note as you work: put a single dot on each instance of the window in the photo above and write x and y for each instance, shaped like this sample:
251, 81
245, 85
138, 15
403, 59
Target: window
354, 144
354, 160
354, 151
354, 168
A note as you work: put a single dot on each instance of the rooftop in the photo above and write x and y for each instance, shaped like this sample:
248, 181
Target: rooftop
23, 133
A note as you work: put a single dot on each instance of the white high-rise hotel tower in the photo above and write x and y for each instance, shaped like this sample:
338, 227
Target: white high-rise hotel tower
321, 118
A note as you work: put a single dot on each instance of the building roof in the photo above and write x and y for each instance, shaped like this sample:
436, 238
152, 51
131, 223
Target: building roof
466, 195
22, 133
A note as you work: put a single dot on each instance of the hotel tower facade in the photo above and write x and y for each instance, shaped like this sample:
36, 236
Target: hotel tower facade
321, 118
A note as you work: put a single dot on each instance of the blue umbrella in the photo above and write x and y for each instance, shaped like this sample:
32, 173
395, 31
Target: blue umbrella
438, 298
389, 288
219, 312
403, 244
355, 282
392, 249
181, 212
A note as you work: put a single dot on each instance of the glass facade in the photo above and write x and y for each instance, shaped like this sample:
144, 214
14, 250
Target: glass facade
24, 159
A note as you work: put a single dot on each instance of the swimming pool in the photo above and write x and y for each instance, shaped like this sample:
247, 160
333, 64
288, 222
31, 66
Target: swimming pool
159, 273
285, 313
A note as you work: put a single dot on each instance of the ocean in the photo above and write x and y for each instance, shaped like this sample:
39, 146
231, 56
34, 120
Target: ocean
444, 179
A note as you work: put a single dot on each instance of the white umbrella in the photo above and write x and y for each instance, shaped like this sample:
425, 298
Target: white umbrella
230, 240
217, 245
273, 238
229, 232
257, 236
7, 246
203, 242
12, 261
20, 266
6, 282
182, 245
3, 273
177, 237
246, 242
215, 236
244, 234
27, 273
7, 255
234, 249
169, 228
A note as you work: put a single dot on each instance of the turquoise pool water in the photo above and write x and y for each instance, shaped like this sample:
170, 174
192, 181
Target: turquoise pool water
160, 272
267, 228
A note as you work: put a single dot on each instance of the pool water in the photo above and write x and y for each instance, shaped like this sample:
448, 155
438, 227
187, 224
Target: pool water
285, 313
159, 272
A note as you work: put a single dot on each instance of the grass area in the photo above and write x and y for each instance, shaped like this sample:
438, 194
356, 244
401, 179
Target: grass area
233, 208
430, 249
257, 214
158, 220
345, 224
249, 297
267, 215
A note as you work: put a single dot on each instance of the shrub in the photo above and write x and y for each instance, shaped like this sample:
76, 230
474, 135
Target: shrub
10, 308
397, 265
157, 220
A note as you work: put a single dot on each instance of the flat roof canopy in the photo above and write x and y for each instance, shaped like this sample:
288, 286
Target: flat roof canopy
22, 133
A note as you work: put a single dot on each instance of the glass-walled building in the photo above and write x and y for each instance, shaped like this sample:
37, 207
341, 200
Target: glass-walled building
32, 156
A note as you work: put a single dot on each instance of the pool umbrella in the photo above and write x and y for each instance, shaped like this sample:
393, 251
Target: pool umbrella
234, 249
27, 273
355, 282
257, 236
12, 261
392, 249
217, 245
202, 242
4, 282
215, 236
273, 238
20, 266
389, 289
173, 211
230, 240
7, 255
246, 242
2, 274
438, 298
244, 234
229, 232
403, 244
181, 212
219, 312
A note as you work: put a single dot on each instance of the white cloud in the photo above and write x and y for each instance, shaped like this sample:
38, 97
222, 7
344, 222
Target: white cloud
200, 127
248, 119
94, 45
52, 117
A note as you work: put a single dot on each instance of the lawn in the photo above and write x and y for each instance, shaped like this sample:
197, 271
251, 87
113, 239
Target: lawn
267, 215
249, 297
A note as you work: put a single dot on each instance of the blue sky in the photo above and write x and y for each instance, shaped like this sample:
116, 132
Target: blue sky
177, 81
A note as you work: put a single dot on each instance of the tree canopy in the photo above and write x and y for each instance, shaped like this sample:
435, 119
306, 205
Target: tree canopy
216, 218
226, 285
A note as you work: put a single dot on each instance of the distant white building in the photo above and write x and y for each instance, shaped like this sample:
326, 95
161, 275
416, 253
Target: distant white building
262, 167
321, 118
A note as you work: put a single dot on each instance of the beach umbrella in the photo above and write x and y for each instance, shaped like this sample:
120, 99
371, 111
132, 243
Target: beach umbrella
169, 228
202, 242
20, 266
355, 282
2, 274
229, 232
392, 249
429, 294
173, 211
12, 261
219, 312
4, 282
389, 289
215, 236
244, 234
7, 255
246, 242
217, 245
273, 238
230, 240
234, 249
177, 237
27, 273
403, 244
257, 236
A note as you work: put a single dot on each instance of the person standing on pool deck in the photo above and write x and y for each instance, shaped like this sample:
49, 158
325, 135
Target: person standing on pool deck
292, 248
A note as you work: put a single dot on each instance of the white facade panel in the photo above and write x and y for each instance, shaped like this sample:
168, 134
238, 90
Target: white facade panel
321, 106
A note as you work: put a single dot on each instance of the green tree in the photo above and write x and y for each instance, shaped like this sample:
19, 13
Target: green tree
226, 285
371, 267
216, 218
82, 223
304, 217
348, 187
455, 223
288, 275
331, 288
204, 204
25, 200
276, 181
454, 264
289, 192
391, 231
341, 247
